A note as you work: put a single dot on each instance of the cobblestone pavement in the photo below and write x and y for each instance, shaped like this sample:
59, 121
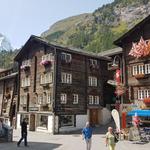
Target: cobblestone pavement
45, 141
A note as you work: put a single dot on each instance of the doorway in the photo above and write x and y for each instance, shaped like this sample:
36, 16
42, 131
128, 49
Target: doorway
94, 117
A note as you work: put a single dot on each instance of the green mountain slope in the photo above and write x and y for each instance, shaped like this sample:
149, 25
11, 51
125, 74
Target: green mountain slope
97, 31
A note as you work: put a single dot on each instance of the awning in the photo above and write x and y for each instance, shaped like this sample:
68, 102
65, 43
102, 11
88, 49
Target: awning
139, 113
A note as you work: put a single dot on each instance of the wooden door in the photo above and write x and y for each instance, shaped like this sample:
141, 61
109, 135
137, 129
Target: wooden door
93, 116
32, 122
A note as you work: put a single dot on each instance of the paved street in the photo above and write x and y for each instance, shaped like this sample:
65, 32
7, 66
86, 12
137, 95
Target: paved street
44, 141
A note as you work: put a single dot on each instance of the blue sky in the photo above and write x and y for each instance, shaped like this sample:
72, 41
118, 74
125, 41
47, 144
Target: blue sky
21, 18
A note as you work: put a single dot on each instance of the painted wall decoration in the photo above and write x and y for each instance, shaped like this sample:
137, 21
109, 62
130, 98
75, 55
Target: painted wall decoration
140, 49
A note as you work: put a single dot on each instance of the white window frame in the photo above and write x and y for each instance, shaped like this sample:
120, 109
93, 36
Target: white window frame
92, 81
25, 82
91, 99
40, 99
147, 68
47, 57
49, 98
134, 70
65, 56
141, 69
96, 100
145, 93
66, 78
75, 98
46, 78
63, 98
26, 62
23, 99
93, 61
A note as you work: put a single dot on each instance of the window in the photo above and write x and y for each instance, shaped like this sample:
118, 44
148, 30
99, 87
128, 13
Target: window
91, 99
67, 120
66, 78
92, 81
25, 82
145, 93
147, 68
75, 98
97, 100
49, 98
47, 57
23, 100
63, 98
66, 57
42, 121
46, 78
93, 62
40, 99
141, 69
135, 70
26, 63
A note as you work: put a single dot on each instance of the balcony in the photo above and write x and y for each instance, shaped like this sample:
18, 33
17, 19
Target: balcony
46, 60
140, 76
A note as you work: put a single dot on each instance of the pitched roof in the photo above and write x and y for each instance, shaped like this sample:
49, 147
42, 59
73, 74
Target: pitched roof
65, 48
119, 41
111, 52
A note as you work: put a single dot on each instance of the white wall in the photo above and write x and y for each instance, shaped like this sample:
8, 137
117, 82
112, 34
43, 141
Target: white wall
81, 120
18, 120
50, 123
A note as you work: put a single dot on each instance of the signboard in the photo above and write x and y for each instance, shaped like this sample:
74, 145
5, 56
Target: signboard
116, 118
134, 134
33, 108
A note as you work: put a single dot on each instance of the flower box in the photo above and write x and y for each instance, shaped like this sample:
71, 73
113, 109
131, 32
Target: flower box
45, 62
147, 101
24, 67
139, 76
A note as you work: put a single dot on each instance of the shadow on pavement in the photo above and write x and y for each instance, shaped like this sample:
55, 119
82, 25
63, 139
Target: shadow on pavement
32, 146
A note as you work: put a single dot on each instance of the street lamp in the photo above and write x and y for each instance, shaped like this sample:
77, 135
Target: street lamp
118, 63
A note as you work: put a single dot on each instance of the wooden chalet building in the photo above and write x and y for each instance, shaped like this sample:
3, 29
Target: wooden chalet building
59, 87
135, 44
8, 95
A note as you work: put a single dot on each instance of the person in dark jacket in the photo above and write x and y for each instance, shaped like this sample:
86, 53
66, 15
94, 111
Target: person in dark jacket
23, 133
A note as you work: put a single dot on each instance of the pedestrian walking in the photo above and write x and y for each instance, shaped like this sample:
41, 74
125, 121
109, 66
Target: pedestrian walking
111, 139
23, 133
87, 135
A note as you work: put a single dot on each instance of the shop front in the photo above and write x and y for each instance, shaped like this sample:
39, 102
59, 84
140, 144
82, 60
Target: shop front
37, 121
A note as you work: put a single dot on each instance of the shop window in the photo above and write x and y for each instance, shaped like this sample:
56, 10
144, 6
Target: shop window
42, 121
67, 120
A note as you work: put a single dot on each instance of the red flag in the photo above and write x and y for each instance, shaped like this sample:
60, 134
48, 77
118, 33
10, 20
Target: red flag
118, 76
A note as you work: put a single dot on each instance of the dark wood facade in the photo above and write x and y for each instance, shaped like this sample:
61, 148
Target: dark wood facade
8, 95
137, 76
79, 67
74, 77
